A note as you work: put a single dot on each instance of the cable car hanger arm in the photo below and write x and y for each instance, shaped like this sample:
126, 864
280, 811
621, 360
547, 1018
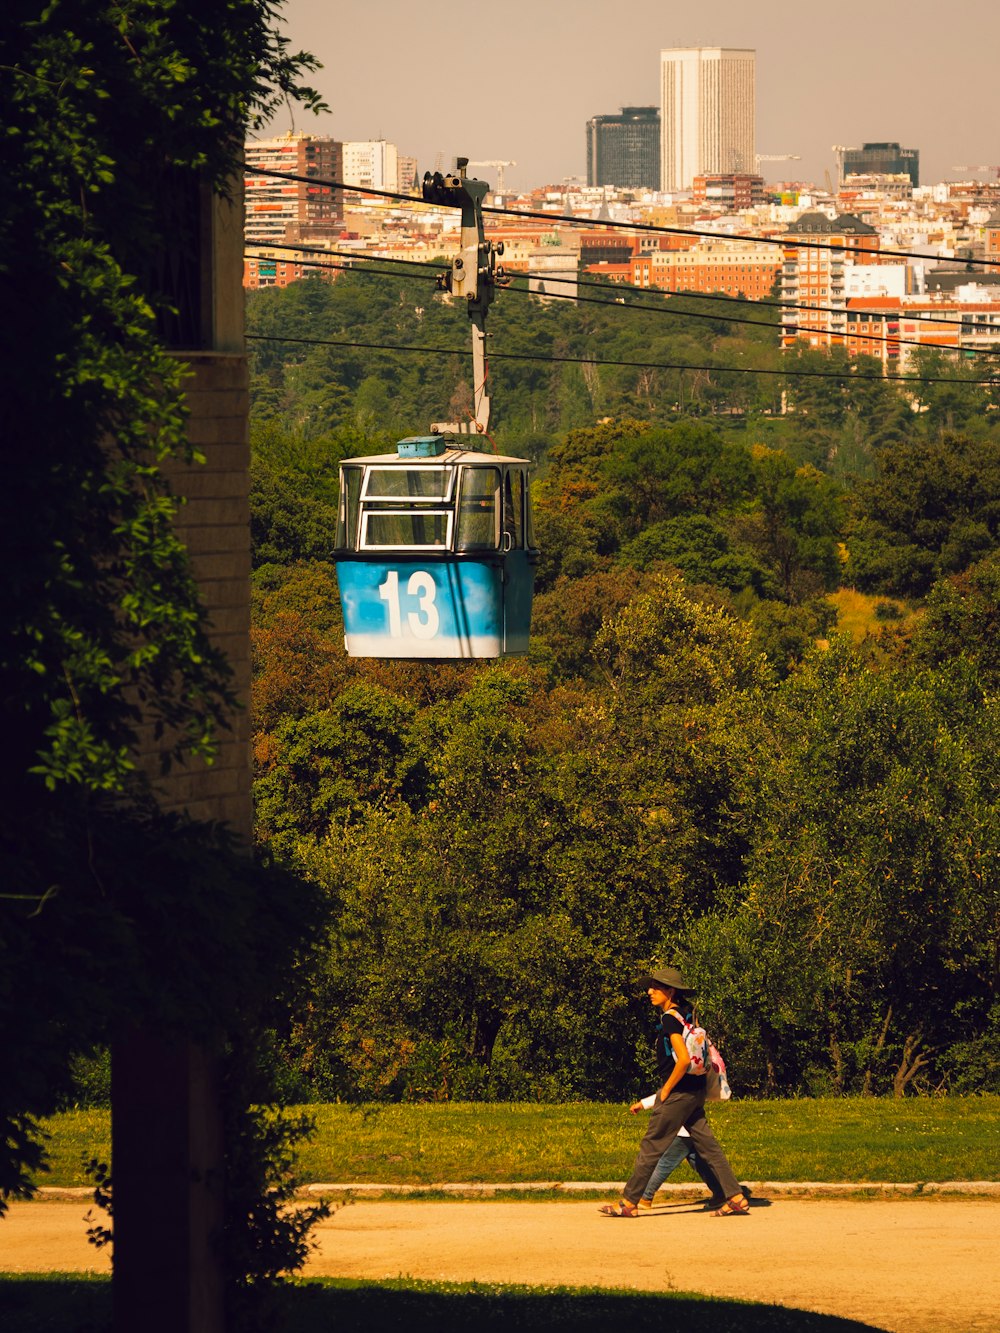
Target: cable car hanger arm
474, 274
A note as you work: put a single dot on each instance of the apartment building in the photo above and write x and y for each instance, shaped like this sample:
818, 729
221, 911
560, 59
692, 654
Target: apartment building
273, 205
731, 191
991, 237
520, 244
814, 277
884, 159
606, 247
263, 267
553, 273
372, 164
742, 266
407, 174
888, 327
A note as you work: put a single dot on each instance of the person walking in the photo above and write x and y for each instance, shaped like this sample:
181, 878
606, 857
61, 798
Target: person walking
679, 1102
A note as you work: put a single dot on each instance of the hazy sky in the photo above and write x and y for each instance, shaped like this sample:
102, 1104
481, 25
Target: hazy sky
519, 79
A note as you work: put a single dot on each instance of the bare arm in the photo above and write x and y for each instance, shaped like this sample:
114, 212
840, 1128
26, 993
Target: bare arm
681, 1062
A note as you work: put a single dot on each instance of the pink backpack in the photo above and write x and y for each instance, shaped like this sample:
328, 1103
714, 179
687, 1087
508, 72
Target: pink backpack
717, 1088
705, 1059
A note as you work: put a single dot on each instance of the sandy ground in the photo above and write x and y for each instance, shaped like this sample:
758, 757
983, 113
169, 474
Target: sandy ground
919, 1265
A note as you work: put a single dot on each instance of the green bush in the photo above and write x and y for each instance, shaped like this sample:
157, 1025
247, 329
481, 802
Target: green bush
91, 1080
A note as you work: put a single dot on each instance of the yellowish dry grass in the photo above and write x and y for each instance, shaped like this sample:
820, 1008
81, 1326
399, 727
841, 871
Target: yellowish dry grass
856, 613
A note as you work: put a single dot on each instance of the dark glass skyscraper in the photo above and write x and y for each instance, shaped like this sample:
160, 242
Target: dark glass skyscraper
883, 159
624, 150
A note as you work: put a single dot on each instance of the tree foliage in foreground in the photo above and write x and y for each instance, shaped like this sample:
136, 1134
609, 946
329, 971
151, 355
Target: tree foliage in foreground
113, 916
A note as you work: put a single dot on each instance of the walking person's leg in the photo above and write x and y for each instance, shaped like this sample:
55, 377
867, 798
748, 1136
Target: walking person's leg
669, 1162
664, 1122
703, 1169
707, 1146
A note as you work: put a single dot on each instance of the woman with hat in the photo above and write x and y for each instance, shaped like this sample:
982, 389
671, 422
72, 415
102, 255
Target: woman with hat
680, 1102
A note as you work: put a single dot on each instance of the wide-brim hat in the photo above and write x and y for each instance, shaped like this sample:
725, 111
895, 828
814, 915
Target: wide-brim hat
669, 978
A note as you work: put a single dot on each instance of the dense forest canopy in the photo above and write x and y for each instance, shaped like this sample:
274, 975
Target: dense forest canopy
695, 762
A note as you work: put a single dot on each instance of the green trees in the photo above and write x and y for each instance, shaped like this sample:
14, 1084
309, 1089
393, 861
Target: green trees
676, 771
930, 510
963, 620
687, 495
865, 919
499, 852
103, 113
947, 402
315, 389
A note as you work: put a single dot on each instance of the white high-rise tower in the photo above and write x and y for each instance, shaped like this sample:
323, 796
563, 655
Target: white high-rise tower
707, 113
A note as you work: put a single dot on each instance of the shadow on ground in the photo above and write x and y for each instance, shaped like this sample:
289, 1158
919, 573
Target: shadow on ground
71, 1304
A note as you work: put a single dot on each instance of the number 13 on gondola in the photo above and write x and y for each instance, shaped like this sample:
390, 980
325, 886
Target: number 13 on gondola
435, 554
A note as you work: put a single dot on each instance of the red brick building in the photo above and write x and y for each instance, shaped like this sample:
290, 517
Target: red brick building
269, 269
733, 191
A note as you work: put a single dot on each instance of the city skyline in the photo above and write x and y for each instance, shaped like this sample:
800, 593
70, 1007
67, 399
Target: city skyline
881, 71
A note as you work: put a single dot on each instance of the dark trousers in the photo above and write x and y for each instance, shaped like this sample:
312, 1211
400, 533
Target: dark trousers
707, 1174
666, 1118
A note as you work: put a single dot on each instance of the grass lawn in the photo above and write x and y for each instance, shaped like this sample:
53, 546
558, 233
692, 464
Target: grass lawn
51, 1303
870, 1139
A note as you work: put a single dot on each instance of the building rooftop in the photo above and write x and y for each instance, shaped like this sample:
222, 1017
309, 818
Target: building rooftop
818, 224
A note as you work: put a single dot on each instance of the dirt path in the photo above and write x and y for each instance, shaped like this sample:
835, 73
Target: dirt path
919, 1265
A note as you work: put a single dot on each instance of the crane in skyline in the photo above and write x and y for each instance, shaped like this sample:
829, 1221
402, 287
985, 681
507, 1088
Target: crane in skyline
775, 157
494, 162
980, 170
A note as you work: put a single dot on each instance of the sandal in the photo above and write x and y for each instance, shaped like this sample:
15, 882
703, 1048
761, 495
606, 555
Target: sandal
623, 1209
737, 1206
716, 1201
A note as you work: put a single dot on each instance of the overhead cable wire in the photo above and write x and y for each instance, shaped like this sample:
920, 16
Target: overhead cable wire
687, 293
638, 365
668, 291
789, 329
612, 285
789, 241
620, 304
341, 254
350, 268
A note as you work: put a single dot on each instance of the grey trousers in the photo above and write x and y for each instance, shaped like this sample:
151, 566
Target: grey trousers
666, 1118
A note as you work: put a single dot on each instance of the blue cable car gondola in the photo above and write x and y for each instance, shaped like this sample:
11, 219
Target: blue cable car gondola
435, 553
435, 550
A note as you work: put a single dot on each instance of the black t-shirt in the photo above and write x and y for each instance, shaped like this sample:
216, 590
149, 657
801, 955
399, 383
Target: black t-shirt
665, 1062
